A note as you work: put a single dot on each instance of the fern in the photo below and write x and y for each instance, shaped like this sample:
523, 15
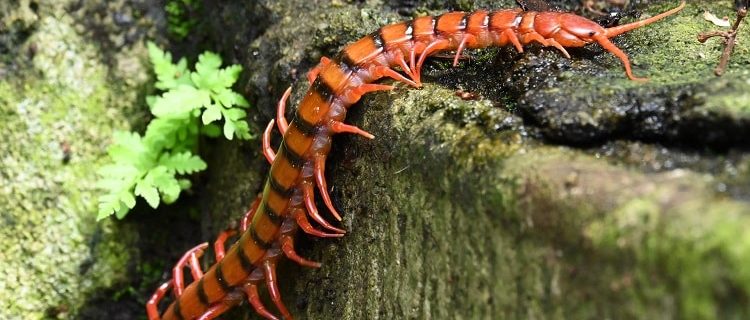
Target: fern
192, 104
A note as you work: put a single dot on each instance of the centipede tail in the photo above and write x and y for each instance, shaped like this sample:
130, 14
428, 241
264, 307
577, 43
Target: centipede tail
398, 52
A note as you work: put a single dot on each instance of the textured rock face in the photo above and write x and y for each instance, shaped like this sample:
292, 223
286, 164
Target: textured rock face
564, 191
61, 96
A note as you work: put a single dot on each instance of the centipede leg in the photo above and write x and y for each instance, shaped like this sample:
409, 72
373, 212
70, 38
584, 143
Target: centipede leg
416, 47
307, 194
152, 306
612, 48
287, 246
509, 35
215, 310
251, 290
324, 61
320, 179
269, 272
281, 109
461, 48
220, 241
340, 127
354, 94
401, 61
434, 46
267, 150
190, 259
250, 213
378, 72
533, 36
300, 216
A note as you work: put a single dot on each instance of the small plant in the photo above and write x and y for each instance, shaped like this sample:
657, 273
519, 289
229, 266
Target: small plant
179, 20
152, 166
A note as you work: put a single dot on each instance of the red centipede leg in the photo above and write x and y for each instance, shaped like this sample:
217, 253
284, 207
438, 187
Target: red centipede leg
301, 217
434, 46
250, 213
220, 241
611, 47
340, 127
324, 61
269, 272
554, 43
152, 306
307, 193
399, 56
287, 245
281, 109
187, 259
267, 150
320, 179
251, 290
356, 93
511, 36
533, 36
378, 72
417, 47
232, 299
461, 48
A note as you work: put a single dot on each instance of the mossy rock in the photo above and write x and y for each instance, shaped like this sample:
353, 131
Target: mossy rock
61, 96
564, 191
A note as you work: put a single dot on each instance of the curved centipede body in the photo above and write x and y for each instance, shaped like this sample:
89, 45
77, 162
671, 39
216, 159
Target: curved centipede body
268, 229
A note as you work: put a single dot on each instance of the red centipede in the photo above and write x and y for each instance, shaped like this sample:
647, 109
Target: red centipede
268, 229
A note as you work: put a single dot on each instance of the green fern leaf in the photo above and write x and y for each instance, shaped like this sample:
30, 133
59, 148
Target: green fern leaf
211, 130
206, 75
183, 162
179, 102
229, 129
168, 75
212, 113
242, 130
229, 75
234, 114
147, 191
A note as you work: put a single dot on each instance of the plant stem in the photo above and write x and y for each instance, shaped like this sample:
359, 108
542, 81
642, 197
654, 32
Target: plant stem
730, 40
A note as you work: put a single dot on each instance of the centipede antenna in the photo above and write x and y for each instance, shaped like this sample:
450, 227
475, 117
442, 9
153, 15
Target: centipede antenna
615, 31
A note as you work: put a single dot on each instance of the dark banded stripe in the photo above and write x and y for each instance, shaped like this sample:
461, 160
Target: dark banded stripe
258, 240
322, 88
247, 265
202, 293
380, 37
464, 22
177, 310
435, 22
307, 129
294, 159
377, 38
272, 215
276, 186
225, 287
409, 32
345, 61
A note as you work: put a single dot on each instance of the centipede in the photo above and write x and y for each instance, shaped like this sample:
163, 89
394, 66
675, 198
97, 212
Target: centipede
287, 202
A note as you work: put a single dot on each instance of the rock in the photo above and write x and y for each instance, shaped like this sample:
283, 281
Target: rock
61, 96
565, 191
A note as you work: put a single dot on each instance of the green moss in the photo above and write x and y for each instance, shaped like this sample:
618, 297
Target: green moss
57, 115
